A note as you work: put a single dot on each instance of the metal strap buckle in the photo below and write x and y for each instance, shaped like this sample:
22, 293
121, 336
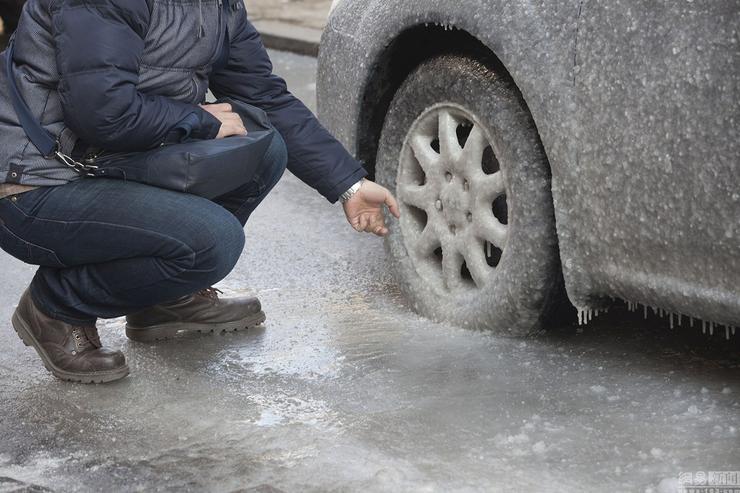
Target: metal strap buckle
83, 169
80, 168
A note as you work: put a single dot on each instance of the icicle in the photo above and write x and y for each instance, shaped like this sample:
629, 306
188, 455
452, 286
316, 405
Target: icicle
711, 328
727, 333
679, 319
644, 310
732, 329
691, 321
670, 317
703, 327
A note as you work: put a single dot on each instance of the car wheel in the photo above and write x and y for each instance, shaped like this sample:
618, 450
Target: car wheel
476, 242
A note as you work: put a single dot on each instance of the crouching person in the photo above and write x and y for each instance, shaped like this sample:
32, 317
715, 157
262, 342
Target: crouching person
125, 75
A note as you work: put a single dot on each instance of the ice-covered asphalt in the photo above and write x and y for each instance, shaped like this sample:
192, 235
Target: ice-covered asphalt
345, 389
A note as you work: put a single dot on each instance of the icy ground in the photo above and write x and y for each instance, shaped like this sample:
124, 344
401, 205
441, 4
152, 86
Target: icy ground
346, 390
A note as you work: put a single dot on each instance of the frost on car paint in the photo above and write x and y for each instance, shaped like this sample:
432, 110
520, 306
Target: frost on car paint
636, 109
334, 4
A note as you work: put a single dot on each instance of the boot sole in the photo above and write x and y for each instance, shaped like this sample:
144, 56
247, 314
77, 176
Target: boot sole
23, 331
172, 330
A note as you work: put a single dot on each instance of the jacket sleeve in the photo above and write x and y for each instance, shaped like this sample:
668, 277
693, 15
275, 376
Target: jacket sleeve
98, 50
314, 155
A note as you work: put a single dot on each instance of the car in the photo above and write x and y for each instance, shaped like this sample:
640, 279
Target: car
539, 148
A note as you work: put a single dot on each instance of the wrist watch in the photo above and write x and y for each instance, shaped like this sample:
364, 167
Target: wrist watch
351, 191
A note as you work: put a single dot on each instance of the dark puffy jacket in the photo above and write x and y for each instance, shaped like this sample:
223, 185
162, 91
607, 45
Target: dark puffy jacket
129, 74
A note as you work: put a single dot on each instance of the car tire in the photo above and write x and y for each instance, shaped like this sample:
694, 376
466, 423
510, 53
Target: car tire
443, 185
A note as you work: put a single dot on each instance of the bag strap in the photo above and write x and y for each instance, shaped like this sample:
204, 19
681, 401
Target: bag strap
44, 140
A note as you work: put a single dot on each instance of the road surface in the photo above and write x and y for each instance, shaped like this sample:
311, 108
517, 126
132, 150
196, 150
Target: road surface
345, 389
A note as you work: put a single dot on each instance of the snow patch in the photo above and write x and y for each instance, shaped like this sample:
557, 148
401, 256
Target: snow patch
539, 448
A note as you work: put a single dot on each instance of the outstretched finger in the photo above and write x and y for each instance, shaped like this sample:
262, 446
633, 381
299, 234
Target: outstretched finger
380, 231
377, 221
390, 201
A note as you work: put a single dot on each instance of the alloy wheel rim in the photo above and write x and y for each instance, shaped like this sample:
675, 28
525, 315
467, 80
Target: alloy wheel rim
452, 193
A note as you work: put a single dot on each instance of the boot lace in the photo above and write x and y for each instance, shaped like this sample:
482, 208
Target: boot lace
211, 293
86, 337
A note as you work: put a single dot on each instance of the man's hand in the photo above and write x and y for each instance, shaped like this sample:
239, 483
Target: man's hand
365, 209
231, 123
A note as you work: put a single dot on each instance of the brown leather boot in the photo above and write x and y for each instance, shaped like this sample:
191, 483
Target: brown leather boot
69, 352
201, 312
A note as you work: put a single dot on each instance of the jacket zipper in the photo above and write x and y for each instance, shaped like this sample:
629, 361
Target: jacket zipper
221, 28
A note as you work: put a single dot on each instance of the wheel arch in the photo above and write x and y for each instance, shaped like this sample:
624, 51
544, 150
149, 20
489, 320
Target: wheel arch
400, 57
369, 48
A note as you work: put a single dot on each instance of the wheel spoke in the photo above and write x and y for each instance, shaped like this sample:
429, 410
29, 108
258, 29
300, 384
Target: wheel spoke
472, 157
487, 187
428, 241
475, 260
414, 195
490, 229
425, 155
448, 144
451, 265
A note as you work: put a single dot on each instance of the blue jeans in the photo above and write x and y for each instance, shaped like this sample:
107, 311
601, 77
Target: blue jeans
107, 248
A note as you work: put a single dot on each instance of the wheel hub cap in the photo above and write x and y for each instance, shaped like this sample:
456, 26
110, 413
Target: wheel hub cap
456, 203
453, 198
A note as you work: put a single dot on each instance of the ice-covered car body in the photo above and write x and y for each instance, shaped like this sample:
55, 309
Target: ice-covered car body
635, 102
